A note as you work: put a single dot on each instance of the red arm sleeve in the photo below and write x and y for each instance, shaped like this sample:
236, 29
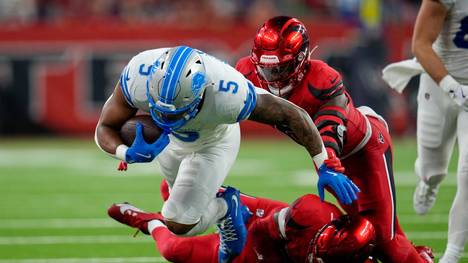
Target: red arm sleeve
331, 123
330, 120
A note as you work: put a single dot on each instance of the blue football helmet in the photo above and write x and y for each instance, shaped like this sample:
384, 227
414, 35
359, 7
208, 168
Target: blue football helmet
175, 87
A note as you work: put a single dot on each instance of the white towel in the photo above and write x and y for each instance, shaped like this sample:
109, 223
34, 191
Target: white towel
398, 74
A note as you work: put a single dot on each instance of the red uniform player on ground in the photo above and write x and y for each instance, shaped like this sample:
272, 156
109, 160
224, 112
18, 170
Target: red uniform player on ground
280, 63
276, 233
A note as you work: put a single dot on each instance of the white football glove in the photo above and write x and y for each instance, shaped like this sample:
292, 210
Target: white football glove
455, 90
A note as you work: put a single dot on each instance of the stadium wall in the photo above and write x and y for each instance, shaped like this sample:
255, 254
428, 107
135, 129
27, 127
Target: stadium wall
55, 78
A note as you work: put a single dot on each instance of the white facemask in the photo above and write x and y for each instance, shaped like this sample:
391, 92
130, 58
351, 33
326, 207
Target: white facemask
283, 92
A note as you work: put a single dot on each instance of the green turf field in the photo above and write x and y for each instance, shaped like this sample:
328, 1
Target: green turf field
54, 196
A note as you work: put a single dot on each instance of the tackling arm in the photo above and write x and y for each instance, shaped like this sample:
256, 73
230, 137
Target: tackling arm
331, 123
276, 111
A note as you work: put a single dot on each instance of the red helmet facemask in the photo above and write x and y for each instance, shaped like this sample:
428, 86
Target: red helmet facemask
280, 53
346, 239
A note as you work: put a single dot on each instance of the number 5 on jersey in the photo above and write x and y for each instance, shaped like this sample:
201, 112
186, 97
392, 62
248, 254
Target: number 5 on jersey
230, 86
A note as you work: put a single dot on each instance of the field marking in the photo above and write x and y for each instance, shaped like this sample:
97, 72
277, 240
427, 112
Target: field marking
110, 260
438, 255
80, 223
426, 219
58, 223
97, 165
426, 235
124, 239
93, 163
402, 178
86, 260
52, 240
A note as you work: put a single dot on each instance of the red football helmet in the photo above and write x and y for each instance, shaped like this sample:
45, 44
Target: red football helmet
346, 239
280, 53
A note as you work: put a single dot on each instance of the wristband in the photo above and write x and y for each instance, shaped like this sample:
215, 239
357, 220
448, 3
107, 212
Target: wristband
320, 158
447, 83
121, 151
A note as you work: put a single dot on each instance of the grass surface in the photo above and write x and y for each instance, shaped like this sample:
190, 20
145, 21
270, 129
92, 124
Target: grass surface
54, 196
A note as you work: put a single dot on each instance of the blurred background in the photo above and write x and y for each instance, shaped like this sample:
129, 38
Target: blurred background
60, 60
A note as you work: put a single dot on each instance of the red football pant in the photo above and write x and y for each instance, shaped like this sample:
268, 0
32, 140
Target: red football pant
371, 169
204, 249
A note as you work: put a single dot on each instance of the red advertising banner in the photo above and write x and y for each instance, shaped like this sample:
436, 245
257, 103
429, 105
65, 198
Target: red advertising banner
61, 75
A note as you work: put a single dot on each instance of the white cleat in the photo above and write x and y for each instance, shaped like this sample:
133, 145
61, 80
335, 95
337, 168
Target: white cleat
424, 197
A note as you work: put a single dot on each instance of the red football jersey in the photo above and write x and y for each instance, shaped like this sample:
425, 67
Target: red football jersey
320, 83
300, 223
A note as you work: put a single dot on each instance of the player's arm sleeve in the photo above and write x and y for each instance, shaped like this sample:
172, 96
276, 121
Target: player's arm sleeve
126, 85
331, 117
331, 123
249, 102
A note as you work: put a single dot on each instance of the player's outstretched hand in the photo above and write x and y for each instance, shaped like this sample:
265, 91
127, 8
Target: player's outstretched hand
143, 152
345, 189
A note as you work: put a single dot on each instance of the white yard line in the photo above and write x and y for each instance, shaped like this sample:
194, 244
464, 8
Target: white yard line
124, 239
464, 255
86, 260
426, 219
82, 163
58, 223
402, 178
80, 223
52, 240
109, 260
439, 235
93, 164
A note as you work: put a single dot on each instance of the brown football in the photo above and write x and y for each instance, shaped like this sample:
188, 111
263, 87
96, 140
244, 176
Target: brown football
151, 131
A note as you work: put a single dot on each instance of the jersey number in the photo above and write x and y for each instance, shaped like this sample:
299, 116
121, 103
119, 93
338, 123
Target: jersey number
143, 71
230, 86
461, 38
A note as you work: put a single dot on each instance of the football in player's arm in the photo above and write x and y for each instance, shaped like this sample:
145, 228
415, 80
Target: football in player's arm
268, 109
198, 101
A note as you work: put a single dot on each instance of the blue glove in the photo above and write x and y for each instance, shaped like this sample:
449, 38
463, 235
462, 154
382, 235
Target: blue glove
344, 188
143, 152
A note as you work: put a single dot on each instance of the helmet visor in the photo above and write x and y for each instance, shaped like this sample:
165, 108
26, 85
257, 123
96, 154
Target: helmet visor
278, 72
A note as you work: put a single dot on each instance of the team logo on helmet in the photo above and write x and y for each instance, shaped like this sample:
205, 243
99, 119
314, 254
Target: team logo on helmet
175, 87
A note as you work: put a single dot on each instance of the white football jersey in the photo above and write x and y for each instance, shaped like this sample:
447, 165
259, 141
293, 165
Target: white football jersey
230, 99
452, 43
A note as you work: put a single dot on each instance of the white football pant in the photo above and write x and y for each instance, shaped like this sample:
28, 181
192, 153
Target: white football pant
194, 176
440, 122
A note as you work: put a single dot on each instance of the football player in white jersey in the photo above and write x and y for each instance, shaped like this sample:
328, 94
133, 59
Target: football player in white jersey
440, 44
198, 101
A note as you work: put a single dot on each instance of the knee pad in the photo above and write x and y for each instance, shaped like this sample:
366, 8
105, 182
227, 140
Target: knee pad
179, 213
430, 128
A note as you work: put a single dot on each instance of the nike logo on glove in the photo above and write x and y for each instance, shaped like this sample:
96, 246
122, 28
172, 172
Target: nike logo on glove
234, 198
148, 156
